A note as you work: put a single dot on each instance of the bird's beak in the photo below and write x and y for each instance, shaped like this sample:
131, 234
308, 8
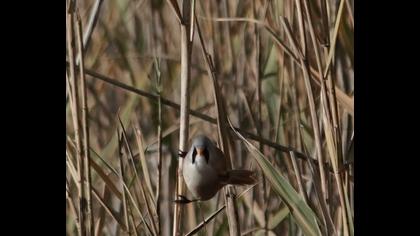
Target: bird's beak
200, 151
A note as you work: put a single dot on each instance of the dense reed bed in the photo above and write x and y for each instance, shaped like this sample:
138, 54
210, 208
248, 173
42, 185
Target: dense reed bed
270, 81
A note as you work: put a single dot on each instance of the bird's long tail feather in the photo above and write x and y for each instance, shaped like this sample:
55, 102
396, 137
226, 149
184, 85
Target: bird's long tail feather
240, 177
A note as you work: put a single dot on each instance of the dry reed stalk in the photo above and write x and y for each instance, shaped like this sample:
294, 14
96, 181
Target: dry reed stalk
72, 205
145, 169
159, 143
109, 210
76, 124
215, 213
122, 182
90, 27
85, 127
231, 209
350, 13
184, 106
101, 215
93, 19
334, 130
136, 207
175, 8
258, 45
310, 96
137, 177
345, 100
159, 165
324, 104
298, 177
133, 224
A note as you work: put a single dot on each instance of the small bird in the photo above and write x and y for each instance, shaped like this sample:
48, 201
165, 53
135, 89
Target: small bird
205, 171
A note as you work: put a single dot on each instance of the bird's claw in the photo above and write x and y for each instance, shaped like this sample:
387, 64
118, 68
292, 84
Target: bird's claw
183, 200
181, 153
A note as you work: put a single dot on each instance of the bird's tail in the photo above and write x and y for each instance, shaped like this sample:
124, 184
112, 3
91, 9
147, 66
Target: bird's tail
241, 177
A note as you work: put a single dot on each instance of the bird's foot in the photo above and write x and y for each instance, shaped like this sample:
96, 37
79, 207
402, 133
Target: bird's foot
184, 200
181, 153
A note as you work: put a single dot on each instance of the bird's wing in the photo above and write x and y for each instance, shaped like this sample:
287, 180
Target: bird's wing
220, 162
187, 158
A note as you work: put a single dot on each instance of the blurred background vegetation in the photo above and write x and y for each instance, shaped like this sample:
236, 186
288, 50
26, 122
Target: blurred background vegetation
286, 73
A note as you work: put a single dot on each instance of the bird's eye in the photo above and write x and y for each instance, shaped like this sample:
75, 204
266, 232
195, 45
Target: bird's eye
193, 155
206, 155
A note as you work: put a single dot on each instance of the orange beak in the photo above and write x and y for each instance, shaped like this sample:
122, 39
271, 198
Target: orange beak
200, 151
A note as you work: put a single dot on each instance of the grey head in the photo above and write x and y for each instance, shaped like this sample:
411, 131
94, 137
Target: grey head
201, 141
203, 146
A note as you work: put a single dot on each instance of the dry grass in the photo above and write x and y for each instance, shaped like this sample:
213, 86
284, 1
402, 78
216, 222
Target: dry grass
270, 81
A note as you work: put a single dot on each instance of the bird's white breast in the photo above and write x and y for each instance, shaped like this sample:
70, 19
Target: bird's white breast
199, 176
